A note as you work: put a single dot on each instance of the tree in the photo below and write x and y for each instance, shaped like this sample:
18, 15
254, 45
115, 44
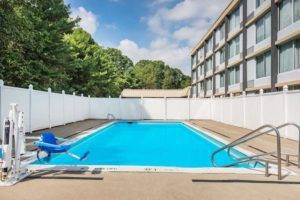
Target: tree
32, 46
124, 78
158, 75
92, 71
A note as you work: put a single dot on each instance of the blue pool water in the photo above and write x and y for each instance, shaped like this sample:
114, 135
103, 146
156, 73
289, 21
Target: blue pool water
145, 144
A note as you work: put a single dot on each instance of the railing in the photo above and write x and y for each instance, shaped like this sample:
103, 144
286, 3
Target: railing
256, 158
280, 127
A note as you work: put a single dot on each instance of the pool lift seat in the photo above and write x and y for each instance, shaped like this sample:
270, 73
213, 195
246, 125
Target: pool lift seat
48, 143
261, 157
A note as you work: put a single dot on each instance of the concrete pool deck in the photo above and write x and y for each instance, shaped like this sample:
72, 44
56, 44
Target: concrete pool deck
123, 185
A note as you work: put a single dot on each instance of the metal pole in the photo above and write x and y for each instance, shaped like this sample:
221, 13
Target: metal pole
278, 154
30, 89
1, 106
49, 106
267, 169
287, 160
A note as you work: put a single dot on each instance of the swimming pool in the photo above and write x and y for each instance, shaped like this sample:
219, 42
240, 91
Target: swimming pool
143, 143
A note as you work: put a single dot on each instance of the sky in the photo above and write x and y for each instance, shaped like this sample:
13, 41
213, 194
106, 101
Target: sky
149, 29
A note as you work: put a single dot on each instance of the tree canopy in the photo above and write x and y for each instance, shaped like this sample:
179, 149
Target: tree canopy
158, 75
41, 45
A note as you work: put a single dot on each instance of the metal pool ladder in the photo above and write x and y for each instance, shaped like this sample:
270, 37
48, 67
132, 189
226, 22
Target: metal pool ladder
259, 158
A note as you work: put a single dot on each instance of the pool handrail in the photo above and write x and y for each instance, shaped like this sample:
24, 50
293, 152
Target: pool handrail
246, 138
279, 127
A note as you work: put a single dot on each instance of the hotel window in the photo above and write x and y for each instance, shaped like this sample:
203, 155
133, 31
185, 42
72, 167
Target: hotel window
222, 79
196, 57
222, 55
209, 65
233, 75
209, 84
263, 65
289, 56
200, 54
286, 13
200, 71
234, 47
194, 76
234, 19
194, 90
259, 3
237, 74
193, 60
286, 57
296, 10
263, 28
201, 68
209, 44
297, 54
222, 32
201, 87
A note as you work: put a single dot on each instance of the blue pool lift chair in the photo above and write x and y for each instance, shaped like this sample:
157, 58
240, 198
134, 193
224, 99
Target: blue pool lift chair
49, 143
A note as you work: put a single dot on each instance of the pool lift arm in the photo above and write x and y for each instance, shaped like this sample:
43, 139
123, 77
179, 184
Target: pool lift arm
13, 146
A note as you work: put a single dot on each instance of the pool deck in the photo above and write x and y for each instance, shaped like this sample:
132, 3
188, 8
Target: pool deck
166, 186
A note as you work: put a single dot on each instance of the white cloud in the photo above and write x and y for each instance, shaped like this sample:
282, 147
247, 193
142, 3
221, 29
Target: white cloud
184, 33
160, 49
184, 10
192, 32
89, 21
192, 9
156, 25
159, 43
186, 20
176, 30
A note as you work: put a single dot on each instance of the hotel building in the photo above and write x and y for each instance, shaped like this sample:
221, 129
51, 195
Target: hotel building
253, 45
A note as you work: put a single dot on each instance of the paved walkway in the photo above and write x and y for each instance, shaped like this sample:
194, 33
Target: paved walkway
72, 129
154, 186
160, 186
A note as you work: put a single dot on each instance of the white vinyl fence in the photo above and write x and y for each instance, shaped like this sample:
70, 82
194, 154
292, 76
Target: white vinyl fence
243, 111
43, 109
48, 109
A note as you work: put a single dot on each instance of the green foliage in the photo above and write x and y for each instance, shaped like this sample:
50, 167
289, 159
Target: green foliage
158, 75
32, 48
40, 45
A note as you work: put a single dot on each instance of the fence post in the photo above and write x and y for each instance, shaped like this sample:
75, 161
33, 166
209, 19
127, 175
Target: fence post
166, 107
231, 109
285, 91
141, 108
89, 111
244, 108
189, 100
74, 106
210, 109
261, 92
222, 108
81, 101
120, 107
30, 89
63, 93
1, 106
49, 106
